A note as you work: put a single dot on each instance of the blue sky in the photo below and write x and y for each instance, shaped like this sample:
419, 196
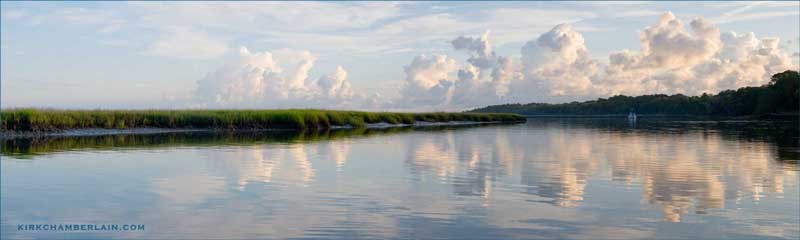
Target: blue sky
382, 55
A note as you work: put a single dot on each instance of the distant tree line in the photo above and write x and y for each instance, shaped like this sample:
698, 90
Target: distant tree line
780, 96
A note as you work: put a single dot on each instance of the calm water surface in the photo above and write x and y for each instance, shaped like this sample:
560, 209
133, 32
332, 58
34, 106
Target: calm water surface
548, 178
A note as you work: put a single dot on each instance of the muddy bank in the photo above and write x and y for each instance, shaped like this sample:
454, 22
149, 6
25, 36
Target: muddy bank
104, 131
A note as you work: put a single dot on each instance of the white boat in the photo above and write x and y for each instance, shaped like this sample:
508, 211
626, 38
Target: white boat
632, 116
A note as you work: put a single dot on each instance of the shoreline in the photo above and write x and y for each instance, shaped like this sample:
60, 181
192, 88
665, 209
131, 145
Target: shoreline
150, 130
707, 117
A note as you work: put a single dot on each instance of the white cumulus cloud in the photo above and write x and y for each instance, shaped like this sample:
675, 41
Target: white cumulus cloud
277, 79
555, 66
428, 82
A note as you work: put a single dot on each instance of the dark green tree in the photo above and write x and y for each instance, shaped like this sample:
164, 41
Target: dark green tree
780, 95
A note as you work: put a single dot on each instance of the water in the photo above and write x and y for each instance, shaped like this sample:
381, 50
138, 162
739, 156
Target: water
548, 178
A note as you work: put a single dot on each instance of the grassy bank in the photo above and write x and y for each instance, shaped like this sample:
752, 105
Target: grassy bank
53, 120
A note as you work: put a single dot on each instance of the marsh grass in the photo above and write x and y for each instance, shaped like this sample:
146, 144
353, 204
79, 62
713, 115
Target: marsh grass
53, 120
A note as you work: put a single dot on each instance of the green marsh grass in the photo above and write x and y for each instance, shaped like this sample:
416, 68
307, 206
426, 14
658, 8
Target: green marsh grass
54, 120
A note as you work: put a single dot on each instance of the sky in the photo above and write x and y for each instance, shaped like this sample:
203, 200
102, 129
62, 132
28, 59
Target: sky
399, 56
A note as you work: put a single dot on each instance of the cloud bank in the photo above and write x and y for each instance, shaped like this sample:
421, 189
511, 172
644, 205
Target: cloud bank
278, 79
555, 66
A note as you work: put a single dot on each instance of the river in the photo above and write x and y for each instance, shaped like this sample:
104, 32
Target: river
544, 179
